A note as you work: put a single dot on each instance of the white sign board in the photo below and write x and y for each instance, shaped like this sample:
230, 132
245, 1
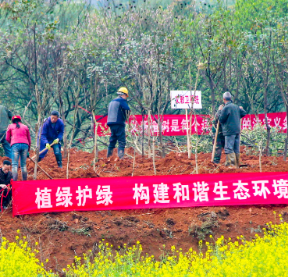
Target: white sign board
183, 99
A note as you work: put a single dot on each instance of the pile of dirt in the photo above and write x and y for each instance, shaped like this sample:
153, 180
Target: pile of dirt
64, 235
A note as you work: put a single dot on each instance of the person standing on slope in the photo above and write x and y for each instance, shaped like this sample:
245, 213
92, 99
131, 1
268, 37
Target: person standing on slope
118, 113
230, 116
18, 135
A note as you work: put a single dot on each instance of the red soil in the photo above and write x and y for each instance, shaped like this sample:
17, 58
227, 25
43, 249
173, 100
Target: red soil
64, 235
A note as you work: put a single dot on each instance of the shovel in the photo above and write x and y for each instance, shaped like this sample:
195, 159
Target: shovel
43, 150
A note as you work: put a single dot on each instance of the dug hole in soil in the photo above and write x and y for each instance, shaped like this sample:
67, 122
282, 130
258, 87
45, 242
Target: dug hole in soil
61, 236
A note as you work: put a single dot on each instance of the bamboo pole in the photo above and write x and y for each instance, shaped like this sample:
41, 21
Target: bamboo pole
42, 169
188, 135
95, 141
215, 141
154, 164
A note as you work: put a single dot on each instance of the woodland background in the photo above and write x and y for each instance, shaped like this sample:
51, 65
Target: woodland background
65, 54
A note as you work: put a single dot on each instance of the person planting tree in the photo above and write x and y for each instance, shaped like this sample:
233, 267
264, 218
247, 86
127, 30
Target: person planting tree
229, 116
118, 112
52, 133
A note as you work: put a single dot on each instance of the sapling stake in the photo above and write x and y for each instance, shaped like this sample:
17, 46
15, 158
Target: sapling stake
154, 165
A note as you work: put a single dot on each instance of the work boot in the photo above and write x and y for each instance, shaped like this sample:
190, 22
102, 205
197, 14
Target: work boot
237, 160
59, 160
24, 176
109, 152
216, 161
230, 160
59, 164
121, 153
15, 175
227, 162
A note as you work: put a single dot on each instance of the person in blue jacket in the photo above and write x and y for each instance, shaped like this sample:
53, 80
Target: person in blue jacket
52, 132
118, 112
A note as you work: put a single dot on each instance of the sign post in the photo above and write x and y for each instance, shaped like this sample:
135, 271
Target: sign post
183, 99
186, 99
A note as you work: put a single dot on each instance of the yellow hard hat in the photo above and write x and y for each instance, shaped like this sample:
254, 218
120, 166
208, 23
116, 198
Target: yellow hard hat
123, 90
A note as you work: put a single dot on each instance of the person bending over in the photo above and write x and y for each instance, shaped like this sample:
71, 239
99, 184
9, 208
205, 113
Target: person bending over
52, 132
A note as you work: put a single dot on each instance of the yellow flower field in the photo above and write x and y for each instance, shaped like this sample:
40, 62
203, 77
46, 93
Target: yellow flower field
264, 256
17, 259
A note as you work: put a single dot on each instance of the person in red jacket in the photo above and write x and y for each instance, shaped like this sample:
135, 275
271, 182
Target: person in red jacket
18, 135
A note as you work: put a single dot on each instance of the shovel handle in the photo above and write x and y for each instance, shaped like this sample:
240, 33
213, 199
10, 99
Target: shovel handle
44, 150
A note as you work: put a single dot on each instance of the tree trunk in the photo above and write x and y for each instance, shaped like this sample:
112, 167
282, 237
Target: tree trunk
267, 123
65, 146
161, 136
149, 134
143, 134
153, 149
71, 139
95, 141
286, 140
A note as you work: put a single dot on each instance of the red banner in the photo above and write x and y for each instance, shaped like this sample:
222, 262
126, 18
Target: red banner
146, 192
172, 125
176, 125
278, 120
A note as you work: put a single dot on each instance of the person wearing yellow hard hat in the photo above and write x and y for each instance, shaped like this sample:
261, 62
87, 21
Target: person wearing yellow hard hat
118, 110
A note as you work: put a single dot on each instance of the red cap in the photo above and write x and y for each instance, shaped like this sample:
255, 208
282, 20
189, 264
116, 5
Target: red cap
16, 117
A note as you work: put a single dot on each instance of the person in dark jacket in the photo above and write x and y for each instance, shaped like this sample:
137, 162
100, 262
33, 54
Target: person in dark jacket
220, 140
52, 132
5, 180
5, 117
229, 117
18, 135
118, 112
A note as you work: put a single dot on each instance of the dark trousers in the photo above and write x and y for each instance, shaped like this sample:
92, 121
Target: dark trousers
220, 144
232, 144
117, 134
6, 145
7, 196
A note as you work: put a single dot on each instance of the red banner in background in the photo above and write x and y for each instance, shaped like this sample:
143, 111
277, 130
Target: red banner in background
172, 125
176, 125
277, 120
146, 192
